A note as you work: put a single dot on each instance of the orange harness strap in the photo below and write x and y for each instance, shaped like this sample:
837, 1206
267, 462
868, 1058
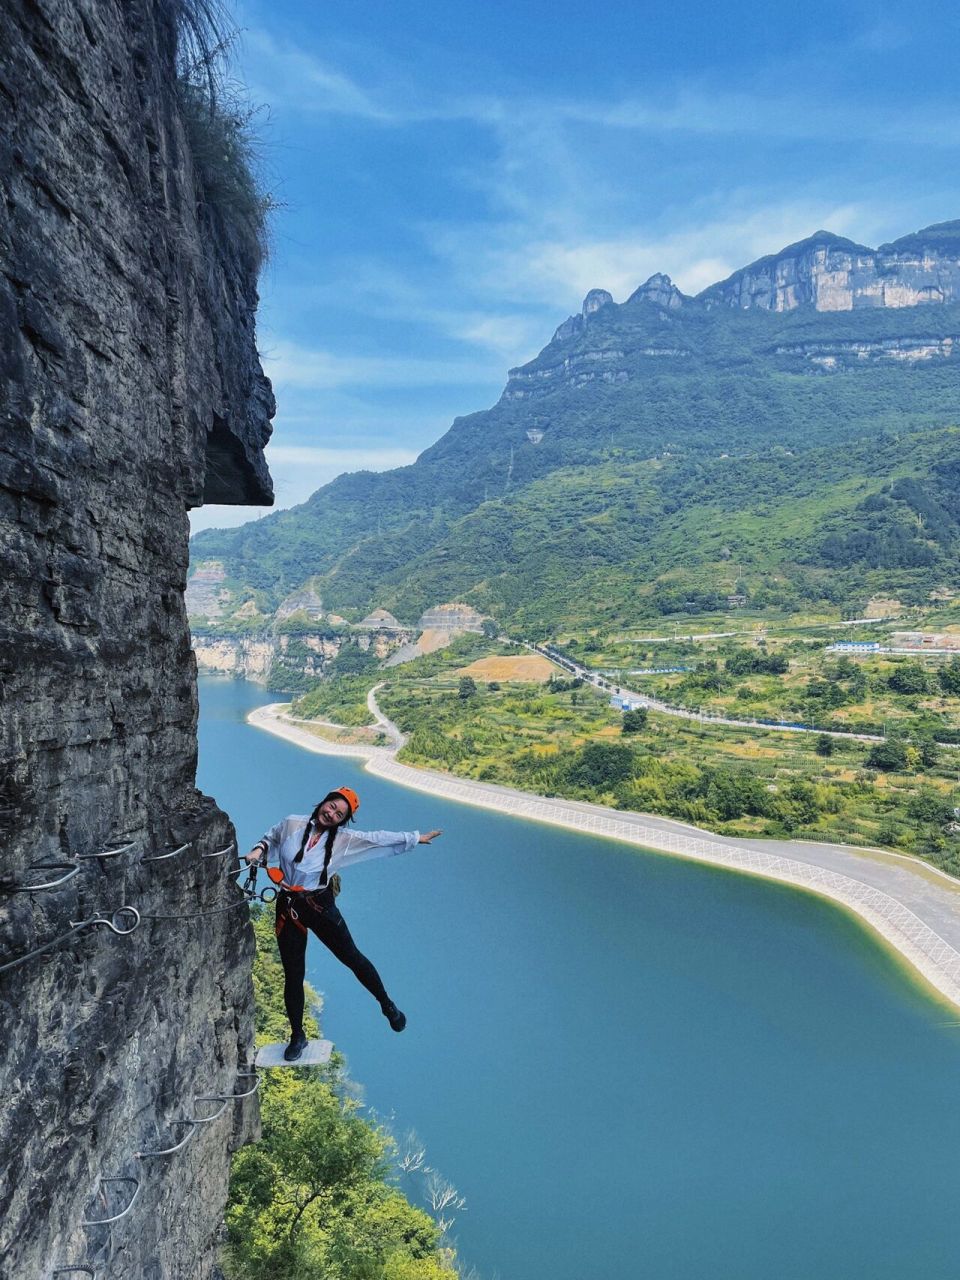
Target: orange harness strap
285, 908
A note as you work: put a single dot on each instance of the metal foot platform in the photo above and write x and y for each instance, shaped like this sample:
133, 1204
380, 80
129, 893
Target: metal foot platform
315, 1054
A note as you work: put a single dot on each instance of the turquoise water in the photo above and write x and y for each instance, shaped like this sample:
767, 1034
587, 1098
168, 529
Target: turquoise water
628, 1065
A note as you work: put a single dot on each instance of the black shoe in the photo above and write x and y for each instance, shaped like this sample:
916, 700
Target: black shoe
393, 1015
298, 1042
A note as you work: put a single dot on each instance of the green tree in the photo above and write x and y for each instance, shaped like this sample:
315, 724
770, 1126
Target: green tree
929, 806
949, 677
824, 745
634, 721
909, 677
889, 755
929, 751
353, 661
601, 764
467, 688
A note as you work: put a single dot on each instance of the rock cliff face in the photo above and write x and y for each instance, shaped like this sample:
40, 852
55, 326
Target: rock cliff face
131, 389
284, 661
830, 273
610, 343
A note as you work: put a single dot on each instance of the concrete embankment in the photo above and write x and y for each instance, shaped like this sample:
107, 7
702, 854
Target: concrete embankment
910, 905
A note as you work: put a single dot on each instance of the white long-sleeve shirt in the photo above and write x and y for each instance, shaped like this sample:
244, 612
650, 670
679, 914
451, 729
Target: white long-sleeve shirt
349, 847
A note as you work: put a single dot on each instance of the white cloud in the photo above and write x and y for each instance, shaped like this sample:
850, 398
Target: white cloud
525, 266
289, 364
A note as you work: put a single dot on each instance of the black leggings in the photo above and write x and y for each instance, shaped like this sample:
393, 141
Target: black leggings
321, 916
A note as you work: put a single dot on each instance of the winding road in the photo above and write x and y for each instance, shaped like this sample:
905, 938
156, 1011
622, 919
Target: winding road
684, 713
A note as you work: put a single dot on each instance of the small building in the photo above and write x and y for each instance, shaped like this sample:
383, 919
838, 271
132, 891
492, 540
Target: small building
855, 646
623, 702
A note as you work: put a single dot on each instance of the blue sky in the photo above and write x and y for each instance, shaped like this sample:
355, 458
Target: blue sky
454, 177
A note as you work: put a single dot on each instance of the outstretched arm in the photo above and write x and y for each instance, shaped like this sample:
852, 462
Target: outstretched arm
363, 845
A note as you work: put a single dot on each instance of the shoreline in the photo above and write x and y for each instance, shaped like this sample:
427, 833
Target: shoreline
899, 899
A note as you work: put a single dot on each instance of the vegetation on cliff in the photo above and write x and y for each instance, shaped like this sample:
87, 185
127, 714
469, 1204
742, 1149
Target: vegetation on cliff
219, 122
316, 1196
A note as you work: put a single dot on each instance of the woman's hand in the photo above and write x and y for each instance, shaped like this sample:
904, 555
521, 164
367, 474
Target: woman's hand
428, 836
255, 856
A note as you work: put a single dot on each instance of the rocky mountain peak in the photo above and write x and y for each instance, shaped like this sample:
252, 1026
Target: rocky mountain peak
594, 300
660, 290
831, 273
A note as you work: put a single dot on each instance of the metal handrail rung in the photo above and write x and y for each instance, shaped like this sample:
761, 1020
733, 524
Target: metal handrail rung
74, 1271
232, 1097
220, 853
72, 870
172, 853
100, 1222
110, 851
209, 1098
76, 926
168, 1151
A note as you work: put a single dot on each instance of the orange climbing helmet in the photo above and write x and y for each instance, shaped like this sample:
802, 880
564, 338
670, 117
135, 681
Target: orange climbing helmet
351, 797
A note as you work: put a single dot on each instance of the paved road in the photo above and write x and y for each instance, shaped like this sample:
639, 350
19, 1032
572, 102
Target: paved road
386, 726
684, 713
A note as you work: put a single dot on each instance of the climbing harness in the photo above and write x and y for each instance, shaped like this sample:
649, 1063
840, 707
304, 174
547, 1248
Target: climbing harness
77, 926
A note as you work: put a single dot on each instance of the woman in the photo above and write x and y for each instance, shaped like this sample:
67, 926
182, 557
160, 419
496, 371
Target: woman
310, 851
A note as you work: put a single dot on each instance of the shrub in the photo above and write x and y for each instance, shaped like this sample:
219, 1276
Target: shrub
909, 677
634, 721
744, 662
929, 806
890, 756
601, 764
218, 123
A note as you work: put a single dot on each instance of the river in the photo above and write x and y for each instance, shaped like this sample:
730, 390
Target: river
629, 1066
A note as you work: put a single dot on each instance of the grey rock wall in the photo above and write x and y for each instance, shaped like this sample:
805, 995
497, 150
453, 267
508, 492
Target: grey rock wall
830, 273
130, 389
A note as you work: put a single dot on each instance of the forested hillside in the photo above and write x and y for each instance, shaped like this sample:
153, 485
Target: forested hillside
664, 454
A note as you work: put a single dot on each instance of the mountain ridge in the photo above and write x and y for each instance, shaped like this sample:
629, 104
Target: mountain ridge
623, 405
